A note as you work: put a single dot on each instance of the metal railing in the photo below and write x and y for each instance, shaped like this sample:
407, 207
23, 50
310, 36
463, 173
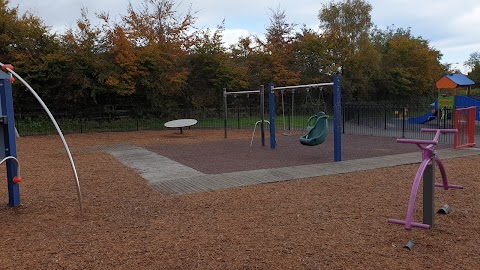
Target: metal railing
375, 120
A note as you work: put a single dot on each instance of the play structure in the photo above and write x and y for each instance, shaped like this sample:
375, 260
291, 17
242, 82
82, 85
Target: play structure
8, 147
8, 132
427, 171
262, 120
317, 132
448, 98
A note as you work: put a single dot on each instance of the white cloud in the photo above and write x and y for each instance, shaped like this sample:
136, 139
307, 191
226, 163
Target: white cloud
231, 36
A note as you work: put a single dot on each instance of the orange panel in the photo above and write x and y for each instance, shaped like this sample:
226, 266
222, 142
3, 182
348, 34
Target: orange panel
445, 83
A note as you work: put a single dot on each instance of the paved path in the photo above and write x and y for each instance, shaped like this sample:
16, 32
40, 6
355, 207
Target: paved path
171, 177
151, 166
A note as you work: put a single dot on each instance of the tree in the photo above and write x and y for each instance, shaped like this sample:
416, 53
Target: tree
473, 60
278, 48
22, 38
410, 67
36, 54
89, 63
312, 57
346, 26
473, 63
161, 38
123, 75
251, 62
474, 74
210, 70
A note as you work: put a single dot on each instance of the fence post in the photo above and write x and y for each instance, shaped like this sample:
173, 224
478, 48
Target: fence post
403, 121
445, 118
358, 115
238, 118
385, 120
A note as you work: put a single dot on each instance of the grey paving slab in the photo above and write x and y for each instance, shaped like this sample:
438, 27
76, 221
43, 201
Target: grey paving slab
151, 166
171, 177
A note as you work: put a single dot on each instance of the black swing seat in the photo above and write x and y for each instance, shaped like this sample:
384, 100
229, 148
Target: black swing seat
317, 133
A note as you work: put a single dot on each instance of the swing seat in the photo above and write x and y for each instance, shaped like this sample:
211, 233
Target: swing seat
317, 133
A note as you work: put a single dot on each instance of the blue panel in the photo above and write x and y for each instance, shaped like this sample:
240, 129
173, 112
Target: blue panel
4, 75
465, 102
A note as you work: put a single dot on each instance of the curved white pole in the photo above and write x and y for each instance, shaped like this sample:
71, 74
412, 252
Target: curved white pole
79, 193
16, 160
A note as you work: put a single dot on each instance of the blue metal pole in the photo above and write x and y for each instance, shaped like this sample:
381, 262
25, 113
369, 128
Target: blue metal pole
337, 119
8, 134
271, 111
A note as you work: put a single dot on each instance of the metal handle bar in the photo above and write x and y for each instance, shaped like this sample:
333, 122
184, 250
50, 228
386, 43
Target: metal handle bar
431, 142
441, 130
417, 141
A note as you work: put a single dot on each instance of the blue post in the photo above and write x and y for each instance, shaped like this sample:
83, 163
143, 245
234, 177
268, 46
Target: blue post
337, 119
9, 146
271, 111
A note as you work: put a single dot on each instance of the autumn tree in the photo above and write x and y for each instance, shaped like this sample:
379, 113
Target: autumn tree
211, 69
25, 42
278, 47
89, 63
122, 77
346, 25
23, 38
410, 67
162, 38
311, 56
251, 62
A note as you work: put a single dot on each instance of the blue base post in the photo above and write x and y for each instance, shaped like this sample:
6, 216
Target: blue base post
7, 132
337, 118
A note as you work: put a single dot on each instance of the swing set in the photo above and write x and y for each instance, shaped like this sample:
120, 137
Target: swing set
262, 120
320, 105
317, 130
316, 134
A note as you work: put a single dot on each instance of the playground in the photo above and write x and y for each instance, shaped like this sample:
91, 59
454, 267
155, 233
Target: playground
339, 221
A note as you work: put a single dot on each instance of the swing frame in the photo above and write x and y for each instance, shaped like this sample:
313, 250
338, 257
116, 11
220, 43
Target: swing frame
337, 112
308, 95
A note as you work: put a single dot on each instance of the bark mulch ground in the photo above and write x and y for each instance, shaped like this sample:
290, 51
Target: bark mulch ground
332, 222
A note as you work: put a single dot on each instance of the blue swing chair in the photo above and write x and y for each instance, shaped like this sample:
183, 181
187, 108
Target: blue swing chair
317, 133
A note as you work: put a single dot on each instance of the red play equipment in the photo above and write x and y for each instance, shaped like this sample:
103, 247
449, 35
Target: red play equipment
465, 124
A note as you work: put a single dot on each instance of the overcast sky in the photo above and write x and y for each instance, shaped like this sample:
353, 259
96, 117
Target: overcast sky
450, 26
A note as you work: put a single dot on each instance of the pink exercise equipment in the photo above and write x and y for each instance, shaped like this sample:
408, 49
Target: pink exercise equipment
428, 155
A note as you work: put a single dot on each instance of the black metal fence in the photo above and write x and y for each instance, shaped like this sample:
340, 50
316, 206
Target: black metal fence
393, 121
365, 119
